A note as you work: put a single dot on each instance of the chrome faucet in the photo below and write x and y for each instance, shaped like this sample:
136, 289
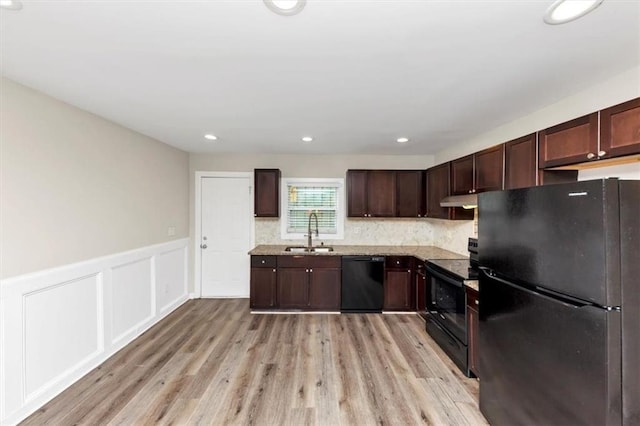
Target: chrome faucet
309, 234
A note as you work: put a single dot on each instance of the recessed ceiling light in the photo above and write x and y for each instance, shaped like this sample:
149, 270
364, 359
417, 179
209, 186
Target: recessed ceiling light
402, 140
285, 7
562, 11
211, 137
11, 4
307, 139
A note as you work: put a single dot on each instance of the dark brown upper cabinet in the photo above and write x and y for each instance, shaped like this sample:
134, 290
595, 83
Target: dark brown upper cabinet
371, 193
620, 130
489, 168
575, 141
462, 175
438, 187
520, 169
410, 192
266, 202
478, 172
381, 193
357, 193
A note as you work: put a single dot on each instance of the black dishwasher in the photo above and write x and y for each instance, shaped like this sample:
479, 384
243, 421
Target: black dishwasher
362, 283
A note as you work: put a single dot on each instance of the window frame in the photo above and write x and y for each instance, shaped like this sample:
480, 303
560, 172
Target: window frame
284, 207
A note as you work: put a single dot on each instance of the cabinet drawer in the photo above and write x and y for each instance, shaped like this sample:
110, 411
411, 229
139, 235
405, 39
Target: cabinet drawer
309, 261
399, 262
263, 261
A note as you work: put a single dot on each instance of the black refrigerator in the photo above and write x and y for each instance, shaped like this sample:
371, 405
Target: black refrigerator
560, 304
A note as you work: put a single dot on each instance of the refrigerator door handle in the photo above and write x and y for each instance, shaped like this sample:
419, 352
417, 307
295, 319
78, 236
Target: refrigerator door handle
538, 291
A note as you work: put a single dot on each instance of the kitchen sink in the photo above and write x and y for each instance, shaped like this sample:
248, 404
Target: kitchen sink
296, 249
303, 249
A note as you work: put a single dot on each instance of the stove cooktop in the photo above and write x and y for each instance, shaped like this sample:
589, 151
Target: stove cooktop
461, 268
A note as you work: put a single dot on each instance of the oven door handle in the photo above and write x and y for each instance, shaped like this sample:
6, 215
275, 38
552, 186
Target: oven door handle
444, 278
442, 328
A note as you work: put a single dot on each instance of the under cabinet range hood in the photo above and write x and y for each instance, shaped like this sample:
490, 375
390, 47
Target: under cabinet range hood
467, 201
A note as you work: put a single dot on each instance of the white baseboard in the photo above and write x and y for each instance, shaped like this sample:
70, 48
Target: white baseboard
57, 325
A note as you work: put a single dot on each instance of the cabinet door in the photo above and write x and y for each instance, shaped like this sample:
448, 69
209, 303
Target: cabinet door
266, 192
357, 193
381, 193
575, 141
489, 167
520, 163
293, 288
324, 289
398, 294
473, 326
410, 193
263, 288
437, 189
620, 130
462, 175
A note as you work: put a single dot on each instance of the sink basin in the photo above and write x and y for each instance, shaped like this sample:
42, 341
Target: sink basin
296, 249
322, 249
304, 249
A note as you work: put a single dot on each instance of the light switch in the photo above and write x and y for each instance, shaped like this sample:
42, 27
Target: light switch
171, 231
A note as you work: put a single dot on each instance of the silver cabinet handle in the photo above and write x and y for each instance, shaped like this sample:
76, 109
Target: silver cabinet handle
591, 155
203, 246
274, 269
310, 270
477, 302
602, 153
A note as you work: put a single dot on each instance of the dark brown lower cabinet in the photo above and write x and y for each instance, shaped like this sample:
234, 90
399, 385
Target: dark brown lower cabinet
263, 288
473, 323
309, 282
263, 282
293, 288
398, 290
324, 289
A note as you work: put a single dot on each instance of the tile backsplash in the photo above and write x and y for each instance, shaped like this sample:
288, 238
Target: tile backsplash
449, 235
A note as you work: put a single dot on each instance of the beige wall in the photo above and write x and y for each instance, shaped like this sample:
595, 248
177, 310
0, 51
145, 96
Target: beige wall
615, 90
74, 186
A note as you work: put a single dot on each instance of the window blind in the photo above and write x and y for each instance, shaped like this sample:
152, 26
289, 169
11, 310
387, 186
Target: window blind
303, 200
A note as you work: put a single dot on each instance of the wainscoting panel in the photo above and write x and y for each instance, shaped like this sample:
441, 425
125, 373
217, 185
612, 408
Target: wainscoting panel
60, 330
57, 325
170, 268
131, 301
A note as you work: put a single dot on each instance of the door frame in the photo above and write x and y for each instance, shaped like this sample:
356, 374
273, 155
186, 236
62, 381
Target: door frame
197, 255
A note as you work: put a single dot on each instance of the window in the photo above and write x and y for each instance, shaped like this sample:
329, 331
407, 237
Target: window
301, 197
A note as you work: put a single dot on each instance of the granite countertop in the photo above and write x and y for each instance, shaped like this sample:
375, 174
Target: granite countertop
473, 284
421, 252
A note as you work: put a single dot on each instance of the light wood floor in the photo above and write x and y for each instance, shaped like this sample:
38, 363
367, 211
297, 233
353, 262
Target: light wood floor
213, 362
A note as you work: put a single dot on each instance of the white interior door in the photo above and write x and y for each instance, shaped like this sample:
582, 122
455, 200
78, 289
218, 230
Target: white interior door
226, 221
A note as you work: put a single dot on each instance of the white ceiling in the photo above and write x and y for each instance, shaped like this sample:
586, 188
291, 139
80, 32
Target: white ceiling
353, 74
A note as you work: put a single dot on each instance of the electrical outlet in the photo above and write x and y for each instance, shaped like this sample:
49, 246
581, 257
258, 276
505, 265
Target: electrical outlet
171, 231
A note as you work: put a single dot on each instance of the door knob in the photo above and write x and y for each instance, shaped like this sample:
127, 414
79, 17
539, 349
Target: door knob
591, 155
203, 246
602, 153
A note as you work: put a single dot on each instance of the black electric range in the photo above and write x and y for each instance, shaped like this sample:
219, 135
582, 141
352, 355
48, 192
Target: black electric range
446, 314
